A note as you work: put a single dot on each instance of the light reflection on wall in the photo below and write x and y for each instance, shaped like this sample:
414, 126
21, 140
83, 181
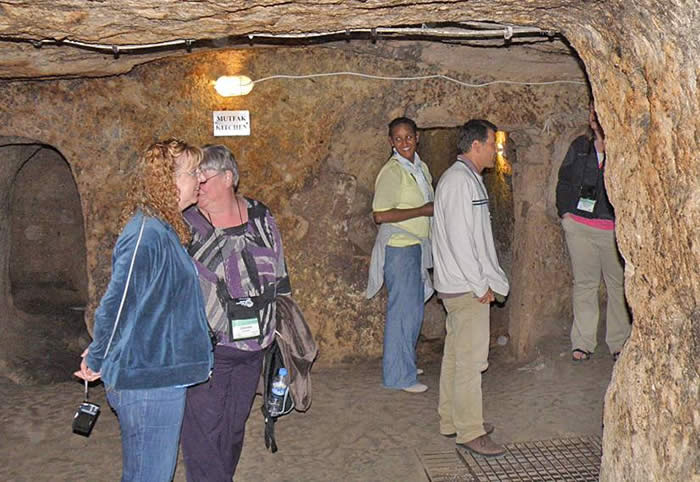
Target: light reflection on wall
502, 164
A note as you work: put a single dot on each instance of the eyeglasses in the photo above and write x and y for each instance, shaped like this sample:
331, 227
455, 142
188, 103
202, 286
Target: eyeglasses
194, 172
206, 179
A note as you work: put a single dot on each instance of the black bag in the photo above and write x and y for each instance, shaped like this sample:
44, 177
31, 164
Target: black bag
293, 347
271, 364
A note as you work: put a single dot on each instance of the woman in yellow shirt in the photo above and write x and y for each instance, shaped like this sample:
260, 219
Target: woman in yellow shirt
402, 206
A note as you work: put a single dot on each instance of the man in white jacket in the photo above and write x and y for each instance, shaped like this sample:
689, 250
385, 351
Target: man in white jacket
467, 278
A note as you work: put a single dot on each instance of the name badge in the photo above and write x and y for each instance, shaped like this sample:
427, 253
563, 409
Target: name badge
244, 328
585, 204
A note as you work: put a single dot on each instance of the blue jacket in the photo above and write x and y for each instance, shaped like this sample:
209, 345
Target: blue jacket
161, 338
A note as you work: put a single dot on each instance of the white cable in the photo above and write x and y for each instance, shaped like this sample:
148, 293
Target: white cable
110, 47
420, 77
126, 287
480, 30
506, 32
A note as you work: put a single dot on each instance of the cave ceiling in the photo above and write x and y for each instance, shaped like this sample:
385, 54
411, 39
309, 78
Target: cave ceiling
39, 39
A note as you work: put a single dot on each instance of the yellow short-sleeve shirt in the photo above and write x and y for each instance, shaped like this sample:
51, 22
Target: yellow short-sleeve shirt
395, 188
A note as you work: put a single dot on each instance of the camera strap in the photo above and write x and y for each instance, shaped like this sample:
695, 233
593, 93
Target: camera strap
87, 397
126, 287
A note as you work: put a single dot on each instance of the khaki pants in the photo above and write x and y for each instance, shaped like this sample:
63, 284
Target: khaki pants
465, 357
593, 251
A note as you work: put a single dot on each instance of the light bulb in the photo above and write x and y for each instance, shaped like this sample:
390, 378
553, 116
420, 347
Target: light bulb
232, 85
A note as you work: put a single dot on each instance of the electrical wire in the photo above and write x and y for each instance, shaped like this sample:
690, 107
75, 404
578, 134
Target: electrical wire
505, 31
475, 30
419, 77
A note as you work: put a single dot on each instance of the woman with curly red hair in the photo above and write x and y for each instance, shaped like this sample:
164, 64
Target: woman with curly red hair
151, 336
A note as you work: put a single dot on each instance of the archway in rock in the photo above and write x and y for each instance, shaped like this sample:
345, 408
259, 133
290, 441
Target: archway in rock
43, 272
438, 148
47, 250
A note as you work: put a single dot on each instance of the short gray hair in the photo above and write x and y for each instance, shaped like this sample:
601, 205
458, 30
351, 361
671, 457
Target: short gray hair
220, 158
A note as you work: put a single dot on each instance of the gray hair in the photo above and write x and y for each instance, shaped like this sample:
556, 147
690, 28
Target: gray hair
220, 158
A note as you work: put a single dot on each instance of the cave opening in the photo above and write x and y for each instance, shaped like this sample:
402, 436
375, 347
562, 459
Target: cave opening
45, 275
47, 253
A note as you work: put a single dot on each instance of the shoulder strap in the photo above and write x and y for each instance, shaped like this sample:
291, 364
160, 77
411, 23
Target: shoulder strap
269, 433
126, 287
257, 213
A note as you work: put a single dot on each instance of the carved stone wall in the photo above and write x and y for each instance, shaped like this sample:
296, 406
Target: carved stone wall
323, 140
315, 150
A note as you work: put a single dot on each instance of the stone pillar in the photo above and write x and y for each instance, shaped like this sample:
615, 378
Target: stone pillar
645, 83
541, 283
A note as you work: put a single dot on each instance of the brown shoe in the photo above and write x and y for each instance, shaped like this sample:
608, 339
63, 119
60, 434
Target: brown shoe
484, 446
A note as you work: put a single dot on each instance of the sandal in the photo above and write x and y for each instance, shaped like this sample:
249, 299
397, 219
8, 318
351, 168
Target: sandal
583, 355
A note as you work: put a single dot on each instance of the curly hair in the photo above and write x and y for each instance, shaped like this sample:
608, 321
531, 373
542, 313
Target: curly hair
153, 188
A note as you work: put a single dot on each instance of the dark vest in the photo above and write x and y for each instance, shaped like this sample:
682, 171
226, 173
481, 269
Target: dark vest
579, 174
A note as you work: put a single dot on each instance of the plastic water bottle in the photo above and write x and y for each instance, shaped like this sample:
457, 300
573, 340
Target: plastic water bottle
278, 393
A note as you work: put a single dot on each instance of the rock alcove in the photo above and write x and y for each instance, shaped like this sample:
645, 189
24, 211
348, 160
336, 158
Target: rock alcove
318, 143
45, 280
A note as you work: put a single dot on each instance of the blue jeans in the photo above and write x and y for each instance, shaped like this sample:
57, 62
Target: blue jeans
404, 315
150, 422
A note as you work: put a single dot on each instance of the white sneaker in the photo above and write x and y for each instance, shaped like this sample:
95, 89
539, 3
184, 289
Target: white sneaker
419, 371
417, 388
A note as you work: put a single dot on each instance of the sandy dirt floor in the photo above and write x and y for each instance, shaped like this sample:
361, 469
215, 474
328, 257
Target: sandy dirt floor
355, 430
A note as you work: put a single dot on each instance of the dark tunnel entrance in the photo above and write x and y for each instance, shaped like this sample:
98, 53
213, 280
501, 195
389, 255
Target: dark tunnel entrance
47, 252
45, 274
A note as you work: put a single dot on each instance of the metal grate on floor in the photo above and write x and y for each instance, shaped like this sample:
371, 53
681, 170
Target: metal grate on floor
576, 459
445, 467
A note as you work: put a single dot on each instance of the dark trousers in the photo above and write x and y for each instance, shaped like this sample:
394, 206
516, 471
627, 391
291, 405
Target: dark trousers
216, 413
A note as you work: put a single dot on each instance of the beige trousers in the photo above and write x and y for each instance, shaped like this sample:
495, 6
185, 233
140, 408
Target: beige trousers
464, 358
592, 252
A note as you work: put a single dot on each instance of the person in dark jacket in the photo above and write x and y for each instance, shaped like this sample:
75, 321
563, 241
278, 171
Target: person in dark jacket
588, 220
151, 336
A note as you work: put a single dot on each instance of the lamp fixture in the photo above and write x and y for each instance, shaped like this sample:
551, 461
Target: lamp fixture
501, 137
502, 164
233, 85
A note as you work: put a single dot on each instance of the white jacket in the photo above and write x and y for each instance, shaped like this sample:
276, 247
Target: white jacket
464, 255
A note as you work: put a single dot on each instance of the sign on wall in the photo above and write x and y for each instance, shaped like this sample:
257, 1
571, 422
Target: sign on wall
231, 123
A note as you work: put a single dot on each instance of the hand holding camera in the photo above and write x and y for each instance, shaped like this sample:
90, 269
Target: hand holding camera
85, 372
87, 413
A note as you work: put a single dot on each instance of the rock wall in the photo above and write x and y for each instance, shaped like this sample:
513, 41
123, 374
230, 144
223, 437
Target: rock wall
641, 58
315, 150
645, 75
